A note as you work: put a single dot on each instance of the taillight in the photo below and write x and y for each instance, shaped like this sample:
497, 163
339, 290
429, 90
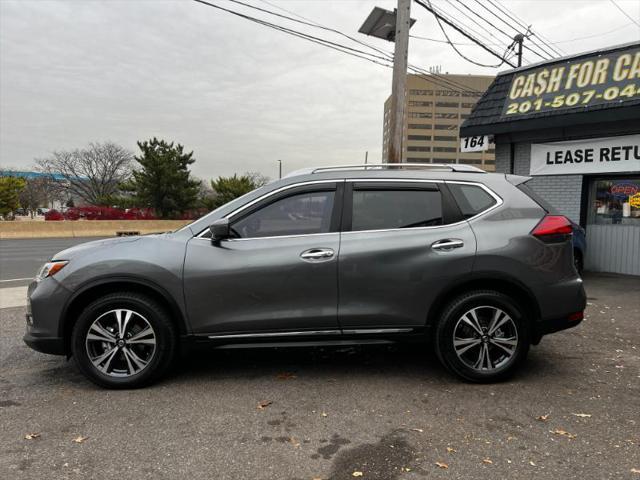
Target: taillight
553, 228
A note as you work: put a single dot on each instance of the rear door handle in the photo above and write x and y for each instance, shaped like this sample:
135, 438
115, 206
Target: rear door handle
317, 254
447, 244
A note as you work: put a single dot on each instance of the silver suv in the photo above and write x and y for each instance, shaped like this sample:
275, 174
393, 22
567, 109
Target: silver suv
468, 262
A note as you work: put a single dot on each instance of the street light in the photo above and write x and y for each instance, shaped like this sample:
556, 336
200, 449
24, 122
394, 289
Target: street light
394, 27
279, 168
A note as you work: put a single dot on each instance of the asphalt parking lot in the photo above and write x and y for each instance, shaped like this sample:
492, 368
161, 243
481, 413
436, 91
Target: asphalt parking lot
385, 413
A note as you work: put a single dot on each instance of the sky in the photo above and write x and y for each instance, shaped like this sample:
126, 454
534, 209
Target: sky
238, 94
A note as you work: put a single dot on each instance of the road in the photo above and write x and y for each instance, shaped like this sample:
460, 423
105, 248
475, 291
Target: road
390, 413
20, 259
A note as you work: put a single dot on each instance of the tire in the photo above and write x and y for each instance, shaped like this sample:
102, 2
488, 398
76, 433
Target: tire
511, 335
135, 359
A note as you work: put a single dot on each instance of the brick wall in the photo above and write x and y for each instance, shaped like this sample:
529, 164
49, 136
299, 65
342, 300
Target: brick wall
564, 192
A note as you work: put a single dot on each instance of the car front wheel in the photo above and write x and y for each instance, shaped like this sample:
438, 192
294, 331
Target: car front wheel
123, 340
482, 336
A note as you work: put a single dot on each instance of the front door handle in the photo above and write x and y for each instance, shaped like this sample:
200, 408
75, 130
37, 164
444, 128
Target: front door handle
447, 244
317, 254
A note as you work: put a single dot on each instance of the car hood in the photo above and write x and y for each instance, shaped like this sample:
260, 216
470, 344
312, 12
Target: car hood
85, 248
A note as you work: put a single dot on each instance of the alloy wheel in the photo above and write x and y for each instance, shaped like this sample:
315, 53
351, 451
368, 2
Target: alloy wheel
120, 343
485, 338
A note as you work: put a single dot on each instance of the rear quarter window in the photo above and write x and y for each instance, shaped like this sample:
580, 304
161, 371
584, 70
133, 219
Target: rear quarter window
471, 199
523, 187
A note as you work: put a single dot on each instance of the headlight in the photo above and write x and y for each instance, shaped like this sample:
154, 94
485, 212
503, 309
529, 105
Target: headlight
50, 268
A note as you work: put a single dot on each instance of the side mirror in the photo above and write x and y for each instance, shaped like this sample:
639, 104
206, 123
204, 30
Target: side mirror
220, 229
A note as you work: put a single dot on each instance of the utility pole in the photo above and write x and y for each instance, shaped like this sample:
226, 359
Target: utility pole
279, 168
399, 82
519, 39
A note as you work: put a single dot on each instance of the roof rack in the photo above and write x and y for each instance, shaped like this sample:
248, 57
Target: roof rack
381, 166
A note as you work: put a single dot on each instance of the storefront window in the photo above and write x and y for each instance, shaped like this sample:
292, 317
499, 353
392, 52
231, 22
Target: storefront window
615, 202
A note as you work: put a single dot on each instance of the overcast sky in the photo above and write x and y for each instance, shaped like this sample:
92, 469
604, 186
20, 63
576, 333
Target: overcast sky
239, 94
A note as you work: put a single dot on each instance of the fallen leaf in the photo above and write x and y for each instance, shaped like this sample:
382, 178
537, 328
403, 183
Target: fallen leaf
451, 450
487, 461
323, 414
286, 376
531, 463
405, 469
442, 465
264, 404
559, 431
80, 439
543, 418
635, 470
31, 436
419, 430
294, 442
357, 474
582, 415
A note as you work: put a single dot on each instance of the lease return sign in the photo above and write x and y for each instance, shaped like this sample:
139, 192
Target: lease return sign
595, 155
584, 82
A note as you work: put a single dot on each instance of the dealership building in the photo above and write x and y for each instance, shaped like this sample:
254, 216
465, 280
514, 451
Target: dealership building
573, 124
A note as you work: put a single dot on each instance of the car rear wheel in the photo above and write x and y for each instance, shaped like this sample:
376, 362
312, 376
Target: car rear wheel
482, 336
123, 340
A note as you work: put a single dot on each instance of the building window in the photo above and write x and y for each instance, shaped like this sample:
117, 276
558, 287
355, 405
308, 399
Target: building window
464, 115
447, 104
415, 103
445, 127
447, 93
611, 203
420, 92
445, 149
446, 115
471, 161
420, 126
489, 162
420, 115
419, 149
467, 105
420, 137
445, 138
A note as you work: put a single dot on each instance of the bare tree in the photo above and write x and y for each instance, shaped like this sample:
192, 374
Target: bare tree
93, 173
38, 192
257, 178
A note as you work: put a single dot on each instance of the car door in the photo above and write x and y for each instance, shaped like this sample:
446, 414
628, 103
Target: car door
402, 242
279, 273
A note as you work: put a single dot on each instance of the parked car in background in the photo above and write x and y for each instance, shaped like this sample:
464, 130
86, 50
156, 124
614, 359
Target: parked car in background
579, 242
466, 262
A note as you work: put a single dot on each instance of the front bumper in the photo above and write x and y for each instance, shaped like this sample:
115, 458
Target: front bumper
50, 345
45, 304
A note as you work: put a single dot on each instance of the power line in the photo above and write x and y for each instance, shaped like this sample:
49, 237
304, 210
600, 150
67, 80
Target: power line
486, 40
587, 37
333, 45
308, 22
527, 29
384, 61
625, 13
519, 21
449, 22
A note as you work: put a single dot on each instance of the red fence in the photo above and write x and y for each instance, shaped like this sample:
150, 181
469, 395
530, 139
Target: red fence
109, 213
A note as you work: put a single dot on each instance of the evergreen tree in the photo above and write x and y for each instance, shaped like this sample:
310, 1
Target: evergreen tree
163, 181
230, 188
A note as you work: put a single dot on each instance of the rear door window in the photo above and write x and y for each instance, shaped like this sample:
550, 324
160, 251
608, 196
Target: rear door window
395, 207
471, 199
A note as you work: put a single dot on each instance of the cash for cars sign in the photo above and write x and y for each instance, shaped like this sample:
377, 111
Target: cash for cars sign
594, 155
578, 83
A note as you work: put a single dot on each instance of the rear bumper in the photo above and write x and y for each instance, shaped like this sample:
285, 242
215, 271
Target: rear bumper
561, 306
